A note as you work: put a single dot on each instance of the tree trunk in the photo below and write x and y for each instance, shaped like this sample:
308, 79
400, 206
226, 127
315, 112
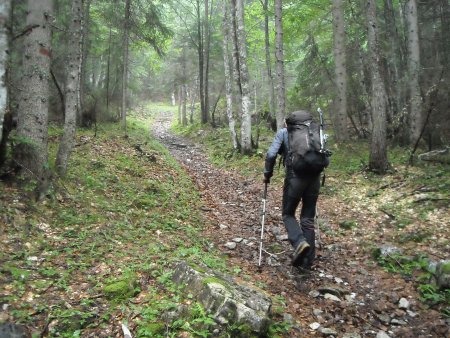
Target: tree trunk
268, 61
340, 70
85, 47
183, 88
207, 36
31, 152
108, 71
4, 47
201, 66
394, 62
414, 70
246, 123
281, 103
125, 65
72, 88
179, 92
228, 88
378, 161
235, 53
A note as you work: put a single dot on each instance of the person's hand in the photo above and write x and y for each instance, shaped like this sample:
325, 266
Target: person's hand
267, 177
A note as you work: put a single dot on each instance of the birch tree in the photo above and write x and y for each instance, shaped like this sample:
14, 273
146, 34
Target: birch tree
414, 70
340, 70
31, 152
378, 147
246, 123
279, 56
228, 81
4, 19
72, 88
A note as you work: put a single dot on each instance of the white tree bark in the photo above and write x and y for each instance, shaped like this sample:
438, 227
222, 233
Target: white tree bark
246, 123
72, 88
378, 148
4, 46
340, 70
228, 88
414, 70
32, 126
279, 56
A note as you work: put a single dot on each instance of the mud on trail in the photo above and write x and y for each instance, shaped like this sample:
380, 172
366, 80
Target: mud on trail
345, 295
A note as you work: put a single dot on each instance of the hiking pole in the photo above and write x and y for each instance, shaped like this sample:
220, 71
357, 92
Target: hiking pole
317, 226
263, 216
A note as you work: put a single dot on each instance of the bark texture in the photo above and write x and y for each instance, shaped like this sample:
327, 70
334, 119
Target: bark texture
125, 64
31, 152
414, 70
268, 60
378, 148
246, 125
4, 47
279, 55
72, 88
340, 70
228, 81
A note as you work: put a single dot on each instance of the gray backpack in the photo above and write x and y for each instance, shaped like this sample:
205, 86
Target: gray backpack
305, 153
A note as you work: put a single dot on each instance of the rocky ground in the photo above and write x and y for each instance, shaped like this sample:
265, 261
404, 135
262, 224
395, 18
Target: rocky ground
345, 295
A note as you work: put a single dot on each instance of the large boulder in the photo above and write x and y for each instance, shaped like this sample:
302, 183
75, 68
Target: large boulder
228, 301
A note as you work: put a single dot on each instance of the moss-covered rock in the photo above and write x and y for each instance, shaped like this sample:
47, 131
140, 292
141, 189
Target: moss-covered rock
122, 288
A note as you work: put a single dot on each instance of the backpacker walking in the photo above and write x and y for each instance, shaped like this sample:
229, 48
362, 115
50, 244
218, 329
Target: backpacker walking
301, 149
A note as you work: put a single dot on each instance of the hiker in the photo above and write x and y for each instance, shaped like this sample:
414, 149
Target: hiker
299, 186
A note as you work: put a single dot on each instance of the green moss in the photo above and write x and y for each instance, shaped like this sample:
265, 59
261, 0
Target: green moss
445, 268
348, 224
152, 329
215, 280
123, 288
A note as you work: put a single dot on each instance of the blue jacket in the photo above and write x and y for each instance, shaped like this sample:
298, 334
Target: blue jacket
279, 146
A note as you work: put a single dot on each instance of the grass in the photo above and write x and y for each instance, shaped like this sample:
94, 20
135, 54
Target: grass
109, 234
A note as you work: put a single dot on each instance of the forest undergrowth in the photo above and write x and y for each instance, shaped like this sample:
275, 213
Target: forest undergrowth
97, 252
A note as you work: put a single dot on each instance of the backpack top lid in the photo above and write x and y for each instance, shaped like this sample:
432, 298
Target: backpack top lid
298, 117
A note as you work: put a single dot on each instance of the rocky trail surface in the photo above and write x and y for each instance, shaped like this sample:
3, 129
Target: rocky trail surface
345, 295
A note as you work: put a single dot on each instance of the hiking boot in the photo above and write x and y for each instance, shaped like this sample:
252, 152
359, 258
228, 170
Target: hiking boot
300, 253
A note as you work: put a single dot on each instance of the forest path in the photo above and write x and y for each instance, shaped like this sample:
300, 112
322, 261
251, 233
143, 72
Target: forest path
346, 293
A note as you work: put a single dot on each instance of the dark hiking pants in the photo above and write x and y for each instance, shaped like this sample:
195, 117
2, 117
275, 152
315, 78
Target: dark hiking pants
305, 190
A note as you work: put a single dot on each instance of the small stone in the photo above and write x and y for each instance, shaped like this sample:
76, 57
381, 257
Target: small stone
237, 239
331, 297
287, 317
275, 231
411, 313
317, 312
396, 321
384, 318
223, 226
328, 332
382, 334
403, 303
351, 335
338, 280
230, 245
314, 293
282, 238
314, 326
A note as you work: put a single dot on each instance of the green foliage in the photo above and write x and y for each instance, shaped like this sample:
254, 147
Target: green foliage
122, 287
348, 224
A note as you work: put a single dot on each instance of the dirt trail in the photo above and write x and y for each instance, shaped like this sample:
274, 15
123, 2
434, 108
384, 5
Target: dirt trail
369, 301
